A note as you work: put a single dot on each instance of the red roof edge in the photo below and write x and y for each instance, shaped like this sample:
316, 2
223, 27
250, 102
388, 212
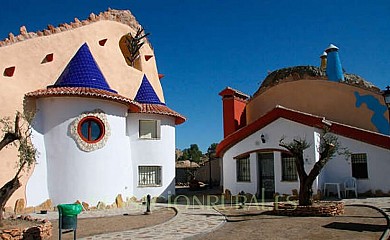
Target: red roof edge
373, 138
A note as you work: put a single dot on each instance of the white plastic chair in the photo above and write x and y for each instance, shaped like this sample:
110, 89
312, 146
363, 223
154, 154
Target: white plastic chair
350, 185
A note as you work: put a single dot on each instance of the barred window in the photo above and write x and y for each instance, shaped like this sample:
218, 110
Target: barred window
359, 165
149, 176
289, 169
243, 170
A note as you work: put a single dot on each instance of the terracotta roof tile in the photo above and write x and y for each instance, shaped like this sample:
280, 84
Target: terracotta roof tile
163, 110
373, 138
84, 92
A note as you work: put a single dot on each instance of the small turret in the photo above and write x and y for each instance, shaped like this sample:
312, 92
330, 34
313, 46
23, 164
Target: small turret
334, 70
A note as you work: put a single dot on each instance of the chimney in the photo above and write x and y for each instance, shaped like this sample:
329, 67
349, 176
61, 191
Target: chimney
234, 103
334, 70
323, 61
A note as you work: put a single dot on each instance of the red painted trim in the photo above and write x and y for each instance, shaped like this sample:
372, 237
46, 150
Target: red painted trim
96, 120
372, 138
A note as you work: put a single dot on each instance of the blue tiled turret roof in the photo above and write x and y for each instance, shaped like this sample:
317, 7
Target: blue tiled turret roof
146, 93
83, 71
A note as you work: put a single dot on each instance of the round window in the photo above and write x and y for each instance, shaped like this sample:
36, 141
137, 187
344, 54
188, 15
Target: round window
91, 129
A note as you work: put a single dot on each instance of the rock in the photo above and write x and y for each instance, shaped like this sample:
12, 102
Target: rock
119, 201
101, 206
46, 205
11, 37
20, 204
20, 38
5, 236
23, 30
85, 206
227, 194
295, 192
92, 17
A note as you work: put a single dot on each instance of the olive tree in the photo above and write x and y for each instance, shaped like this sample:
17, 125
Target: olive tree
16, 133
328, 147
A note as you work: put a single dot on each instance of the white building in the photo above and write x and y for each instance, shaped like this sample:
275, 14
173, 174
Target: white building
297, 103
101, 124
94, 143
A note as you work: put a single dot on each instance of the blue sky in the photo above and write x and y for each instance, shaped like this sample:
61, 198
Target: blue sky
204, 46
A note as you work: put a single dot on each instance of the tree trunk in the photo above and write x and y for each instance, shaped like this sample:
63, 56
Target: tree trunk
305, 193
6, 192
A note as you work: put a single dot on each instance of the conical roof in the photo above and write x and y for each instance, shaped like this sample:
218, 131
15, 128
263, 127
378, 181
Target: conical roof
83, 71
146, 93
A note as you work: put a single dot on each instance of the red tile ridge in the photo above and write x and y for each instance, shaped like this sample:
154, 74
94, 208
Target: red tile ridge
352, 132
85, 92
163, 110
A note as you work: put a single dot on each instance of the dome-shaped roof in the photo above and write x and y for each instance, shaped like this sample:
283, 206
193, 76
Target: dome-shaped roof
309, 72
83, 71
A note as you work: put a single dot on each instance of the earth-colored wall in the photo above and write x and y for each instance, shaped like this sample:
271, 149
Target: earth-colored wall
32, 72
335, 101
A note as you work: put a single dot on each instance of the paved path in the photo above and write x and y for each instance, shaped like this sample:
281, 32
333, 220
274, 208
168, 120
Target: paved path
188, 222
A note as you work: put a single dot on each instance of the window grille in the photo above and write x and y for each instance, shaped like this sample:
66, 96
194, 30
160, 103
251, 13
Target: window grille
289, 169
149, 176
359, 165
243, 170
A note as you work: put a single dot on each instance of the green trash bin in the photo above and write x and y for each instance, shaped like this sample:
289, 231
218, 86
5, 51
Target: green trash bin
68, 217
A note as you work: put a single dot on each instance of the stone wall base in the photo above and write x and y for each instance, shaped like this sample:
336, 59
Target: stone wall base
318, 209
42, 230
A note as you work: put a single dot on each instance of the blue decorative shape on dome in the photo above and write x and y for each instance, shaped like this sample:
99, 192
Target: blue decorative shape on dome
83, 71
146, 93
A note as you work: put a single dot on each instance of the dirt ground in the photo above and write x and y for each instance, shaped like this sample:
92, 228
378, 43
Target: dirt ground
94, 226
357, 223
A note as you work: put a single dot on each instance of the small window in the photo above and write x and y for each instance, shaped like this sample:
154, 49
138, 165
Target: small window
289, 169
91, 129
243, 170
359, 165
149, 129
149, 176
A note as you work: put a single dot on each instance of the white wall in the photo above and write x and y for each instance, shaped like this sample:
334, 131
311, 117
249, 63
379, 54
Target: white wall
378, 165
73, 174
273, 133
36, 188
153, 152
336, 170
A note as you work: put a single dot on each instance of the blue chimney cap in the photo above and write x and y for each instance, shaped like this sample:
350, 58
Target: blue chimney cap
146, 93
83, 71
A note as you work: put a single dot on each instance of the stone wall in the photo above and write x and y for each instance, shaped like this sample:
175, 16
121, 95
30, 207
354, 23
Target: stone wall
122, 16
42, 230
320, 209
